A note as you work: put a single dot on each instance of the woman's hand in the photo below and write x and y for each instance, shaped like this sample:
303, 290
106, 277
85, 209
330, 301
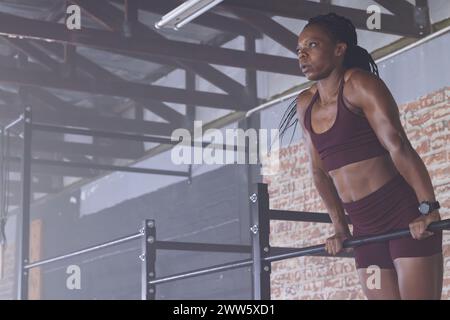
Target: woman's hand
333, 245
418, 227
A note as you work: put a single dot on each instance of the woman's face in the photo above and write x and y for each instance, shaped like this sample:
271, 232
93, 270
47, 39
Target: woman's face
317, 53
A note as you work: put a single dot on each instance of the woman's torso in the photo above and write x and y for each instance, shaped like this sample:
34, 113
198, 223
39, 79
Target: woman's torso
358, 179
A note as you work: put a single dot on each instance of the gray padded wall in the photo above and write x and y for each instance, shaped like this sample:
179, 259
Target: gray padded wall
213, 209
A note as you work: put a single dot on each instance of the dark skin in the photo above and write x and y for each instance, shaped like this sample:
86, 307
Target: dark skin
321, 60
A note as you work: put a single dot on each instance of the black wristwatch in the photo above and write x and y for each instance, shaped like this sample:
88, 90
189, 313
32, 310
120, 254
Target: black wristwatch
427, 207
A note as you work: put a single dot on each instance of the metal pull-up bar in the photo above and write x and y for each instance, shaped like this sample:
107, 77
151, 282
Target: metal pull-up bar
358, 241
293, 253
85, 250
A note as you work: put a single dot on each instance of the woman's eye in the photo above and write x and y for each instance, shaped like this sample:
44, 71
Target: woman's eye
309, 45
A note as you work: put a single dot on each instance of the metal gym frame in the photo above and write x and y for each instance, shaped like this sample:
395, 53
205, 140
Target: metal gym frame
262, 254
23, 220
261, 251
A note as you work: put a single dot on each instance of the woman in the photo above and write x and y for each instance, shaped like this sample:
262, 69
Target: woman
362, 162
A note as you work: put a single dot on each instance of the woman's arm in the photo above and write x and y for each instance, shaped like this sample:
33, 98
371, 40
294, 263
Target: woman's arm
322, 181
374, 98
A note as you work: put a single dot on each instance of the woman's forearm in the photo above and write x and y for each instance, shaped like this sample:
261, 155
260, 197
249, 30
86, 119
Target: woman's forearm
330, 197
412, 168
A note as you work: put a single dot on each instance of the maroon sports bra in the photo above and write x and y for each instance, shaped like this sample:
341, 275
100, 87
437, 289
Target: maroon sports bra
350, 139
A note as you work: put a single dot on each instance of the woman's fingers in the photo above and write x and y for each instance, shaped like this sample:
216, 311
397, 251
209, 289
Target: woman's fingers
425, 234
328, 247
419, 230
415, 228
338, 247
334, 245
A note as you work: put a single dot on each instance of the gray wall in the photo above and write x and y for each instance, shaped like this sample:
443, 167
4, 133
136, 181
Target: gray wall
213, 209
419, 71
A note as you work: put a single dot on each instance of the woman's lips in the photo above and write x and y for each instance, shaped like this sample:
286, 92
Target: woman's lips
305, 68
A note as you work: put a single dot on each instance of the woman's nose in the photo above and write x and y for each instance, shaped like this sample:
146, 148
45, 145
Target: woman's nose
301, 54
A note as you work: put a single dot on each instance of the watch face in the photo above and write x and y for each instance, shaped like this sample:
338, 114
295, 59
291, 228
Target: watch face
424, 207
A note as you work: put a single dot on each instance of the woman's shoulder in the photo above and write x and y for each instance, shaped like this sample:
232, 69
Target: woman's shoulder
361, 85
358, 81
357, 77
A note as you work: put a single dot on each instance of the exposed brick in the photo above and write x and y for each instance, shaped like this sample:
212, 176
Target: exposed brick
446, 92
423, 147
435, 158
334, 283
288, 187
412, 106
435, 98
351, 280
7, 281
440, 141
434, 128
356, 294
437, 173
443, 189
414, 134
273, 192
441, 112
417, 119
445, 204
299, 172
340, 295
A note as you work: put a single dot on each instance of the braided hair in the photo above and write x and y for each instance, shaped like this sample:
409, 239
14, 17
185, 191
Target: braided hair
340, 29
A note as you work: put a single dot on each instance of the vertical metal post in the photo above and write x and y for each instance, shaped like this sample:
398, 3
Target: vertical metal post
148, 257
23, 220
3, 196
70, 57
131, 17
139, 114
260, 241
422, 18
264, 233
260, 277
131, 10
190, 84
3, 174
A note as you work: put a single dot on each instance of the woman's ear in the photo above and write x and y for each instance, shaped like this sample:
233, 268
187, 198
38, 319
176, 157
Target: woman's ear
341, 48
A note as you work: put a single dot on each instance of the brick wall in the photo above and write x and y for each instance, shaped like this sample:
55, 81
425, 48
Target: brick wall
426, 124
7, 277
8, 265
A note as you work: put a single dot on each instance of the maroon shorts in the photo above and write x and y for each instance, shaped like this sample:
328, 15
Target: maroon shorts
391, 207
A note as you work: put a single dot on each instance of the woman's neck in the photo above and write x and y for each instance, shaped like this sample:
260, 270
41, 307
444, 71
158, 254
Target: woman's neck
328, 87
